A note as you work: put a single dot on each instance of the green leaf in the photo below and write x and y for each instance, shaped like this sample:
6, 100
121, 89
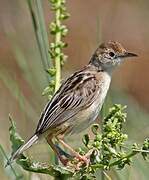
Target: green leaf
145, 148
95, 128
86, 139
15, 138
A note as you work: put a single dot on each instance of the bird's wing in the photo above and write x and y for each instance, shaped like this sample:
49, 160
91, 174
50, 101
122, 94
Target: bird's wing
77, 93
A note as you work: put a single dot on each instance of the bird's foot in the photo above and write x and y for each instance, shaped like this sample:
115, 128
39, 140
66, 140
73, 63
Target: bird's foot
81, 161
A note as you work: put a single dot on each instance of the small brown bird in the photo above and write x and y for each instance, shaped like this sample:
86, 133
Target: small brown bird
78, 101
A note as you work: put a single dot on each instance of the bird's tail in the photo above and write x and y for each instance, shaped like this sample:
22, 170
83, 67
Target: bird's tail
22, 148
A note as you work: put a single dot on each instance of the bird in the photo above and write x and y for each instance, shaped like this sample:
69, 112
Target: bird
78, 102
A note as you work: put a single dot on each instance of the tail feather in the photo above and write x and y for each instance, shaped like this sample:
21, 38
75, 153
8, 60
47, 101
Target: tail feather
22, 148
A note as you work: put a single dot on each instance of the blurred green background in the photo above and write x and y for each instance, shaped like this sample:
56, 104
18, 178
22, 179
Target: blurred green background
22, 75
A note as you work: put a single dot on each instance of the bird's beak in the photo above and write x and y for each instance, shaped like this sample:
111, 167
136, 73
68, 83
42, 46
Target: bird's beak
128, 54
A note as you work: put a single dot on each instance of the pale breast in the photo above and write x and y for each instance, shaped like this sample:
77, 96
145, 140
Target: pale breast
86, 117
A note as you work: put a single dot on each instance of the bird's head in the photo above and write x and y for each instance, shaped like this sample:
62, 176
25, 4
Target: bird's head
109, 55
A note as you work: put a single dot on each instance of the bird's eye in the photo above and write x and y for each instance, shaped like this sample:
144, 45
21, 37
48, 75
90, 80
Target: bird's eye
111, 54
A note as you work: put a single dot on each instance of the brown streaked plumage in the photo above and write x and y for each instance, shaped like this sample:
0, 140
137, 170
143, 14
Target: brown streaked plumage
78, 101
117, 47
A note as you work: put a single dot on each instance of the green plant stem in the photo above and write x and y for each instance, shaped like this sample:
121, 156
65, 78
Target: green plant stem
102, 130
140, 150
35, 8
5, 155
131, 154
58, 37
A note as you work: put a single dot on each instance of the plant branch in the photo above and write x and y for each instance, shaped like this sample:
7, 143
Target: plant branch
104, 150
5, 155
131, 154
58, 37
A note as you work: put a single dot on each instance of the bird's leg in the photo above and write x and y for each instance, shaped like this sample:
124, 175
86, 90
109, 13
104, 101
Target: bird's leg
77, 155
63, 161
62, 152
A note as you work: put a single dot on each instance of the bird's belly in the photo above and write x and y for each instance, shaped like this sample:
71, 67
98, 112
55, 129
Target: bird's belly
85, 118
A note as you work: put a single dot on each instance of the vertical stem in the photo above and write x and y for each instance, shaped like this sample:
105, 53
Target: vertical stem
36, 11
58, 37
5, 155
59, 31
102, 150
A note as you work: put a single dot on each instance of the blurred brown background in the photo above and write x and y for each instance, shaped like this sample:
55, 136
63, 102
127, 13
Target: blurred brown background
22, 77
